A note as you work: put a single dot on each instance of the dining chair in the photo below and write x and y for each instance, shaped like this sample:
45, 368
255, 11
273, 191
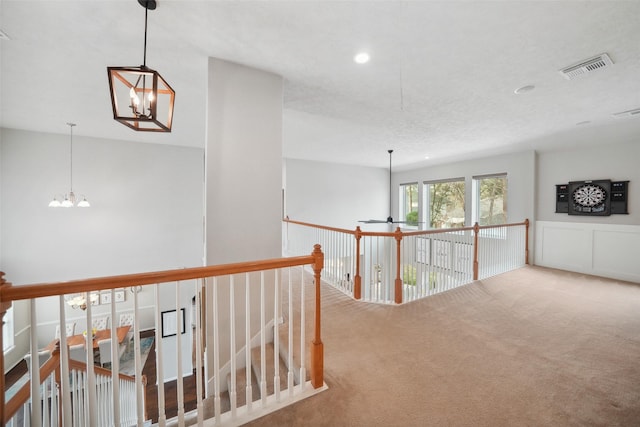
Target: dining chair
78, 352
100, 322
105, 351
127, 319
70, 329
43, 356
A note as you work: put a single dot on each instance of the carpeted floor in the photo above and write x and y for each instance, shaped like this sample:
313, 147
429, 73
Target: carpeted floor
534, 347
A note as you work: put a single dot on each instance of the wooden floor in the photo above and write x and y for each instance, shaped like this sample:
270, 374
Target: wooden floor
170, 390
149, 370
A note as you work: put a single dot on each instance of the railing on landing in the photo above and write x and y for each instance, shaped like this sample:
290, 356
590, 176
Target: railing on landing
245, 293
47, 385
404, 265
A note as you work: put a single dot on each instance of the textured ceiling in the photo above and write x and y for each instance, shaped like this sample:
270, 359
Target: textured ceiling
440, 82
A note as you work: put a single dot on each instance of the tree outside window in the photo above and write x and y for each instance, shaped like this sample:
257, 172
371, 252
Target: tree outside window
445, 206
491, 199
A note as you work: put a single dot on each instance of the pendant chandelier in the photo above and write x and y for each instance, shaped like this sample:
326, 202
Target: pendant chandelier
69, 199
80, 300
140, 98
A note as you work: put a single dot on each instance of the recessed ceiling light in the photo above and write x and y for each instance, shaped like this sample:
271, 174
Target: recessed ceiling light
524, 89
426, 157
361, 58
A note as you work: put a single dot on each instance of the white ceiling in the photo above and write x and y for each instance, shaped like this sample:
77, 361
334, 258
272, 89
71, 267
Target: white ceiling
440, 82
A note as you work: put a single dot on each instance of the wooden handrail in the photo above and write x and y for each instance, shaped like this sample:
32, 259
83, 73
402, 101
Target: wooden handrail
9, 293
404, 233
321, 227
38, 290
24, 393
398, 235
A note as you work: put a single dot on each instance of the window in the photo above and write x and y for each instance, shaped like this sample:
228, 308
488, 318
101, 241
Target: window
490, 199
7, 330
409, 203
444, 203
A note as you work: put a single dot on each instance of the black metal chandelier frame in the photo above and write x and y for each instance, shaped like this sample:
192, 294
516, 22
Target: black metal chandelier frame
140, 98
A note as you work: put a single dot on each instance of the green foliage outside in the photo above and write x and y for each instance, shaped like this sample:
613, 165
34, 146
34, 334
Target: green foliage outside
409, 275
446, 204
412, 218
493, 201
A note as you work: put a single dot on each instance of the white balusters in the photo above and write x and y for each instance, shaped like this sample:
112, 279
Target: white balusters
276, 336
162, 416
36, 413
303, 340
216, 350
232, 345
247, 338
180, 326
263, 343
199, 288
114, 395
290, 375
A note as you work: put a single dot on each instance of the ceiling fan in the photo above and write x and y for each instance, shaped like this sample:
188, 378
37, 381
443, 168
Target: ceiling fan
389, 219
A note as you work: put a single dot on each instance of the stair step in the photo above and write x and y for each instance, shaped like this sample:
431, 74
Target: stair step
270, 369
283, 334
241, 387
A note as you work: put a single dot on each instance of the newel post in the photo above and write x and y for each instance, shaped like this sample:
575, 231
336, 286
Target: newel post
317, 348
526, 241
357, 280
4, 306
476, 230
398, 282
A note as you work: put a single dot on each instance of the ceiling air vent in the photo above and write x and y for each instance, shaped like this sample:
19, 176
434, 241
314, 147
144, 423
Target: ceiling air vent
587, 66
628, 113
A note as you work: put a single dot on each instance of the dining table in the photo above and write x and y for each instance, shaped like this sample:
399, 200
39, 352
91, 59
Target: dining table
100, 334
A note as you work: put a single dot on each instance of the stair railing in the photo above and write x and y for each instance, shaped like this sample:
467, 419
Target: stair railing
48, 382
399, 266
104, 402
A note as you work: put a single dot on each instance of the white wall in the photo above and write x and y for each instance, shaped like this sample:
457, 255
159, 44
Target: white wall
243, 163
146, 214
243, 184
615, 161
333, 194
601, 245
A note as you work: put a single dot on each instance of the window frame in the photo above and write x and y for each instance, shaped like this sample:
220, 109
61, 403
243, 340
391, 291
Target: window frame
402, 203
477, 199
426, 197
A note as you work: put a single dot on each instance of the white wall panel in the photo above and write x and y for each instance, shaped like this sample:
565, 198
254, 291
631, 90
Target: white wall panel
607, 250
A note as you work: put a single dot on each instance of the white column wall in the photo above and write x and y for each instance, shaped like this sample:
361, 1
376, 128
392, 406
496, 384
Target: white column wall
243, 188
243, 163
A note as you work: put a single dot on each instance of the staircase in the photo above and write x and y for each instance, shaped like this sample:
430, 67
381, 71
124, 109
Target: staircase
285, 376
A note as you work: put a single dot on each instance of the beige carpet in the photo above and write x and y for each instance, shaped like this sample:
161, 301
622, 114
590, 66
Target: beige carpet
534, 347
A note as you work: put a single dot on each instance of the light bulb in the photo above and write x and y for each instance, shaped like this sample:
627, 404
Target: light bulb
134, 97
84, 203
66, 203
151, 97
361, 58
